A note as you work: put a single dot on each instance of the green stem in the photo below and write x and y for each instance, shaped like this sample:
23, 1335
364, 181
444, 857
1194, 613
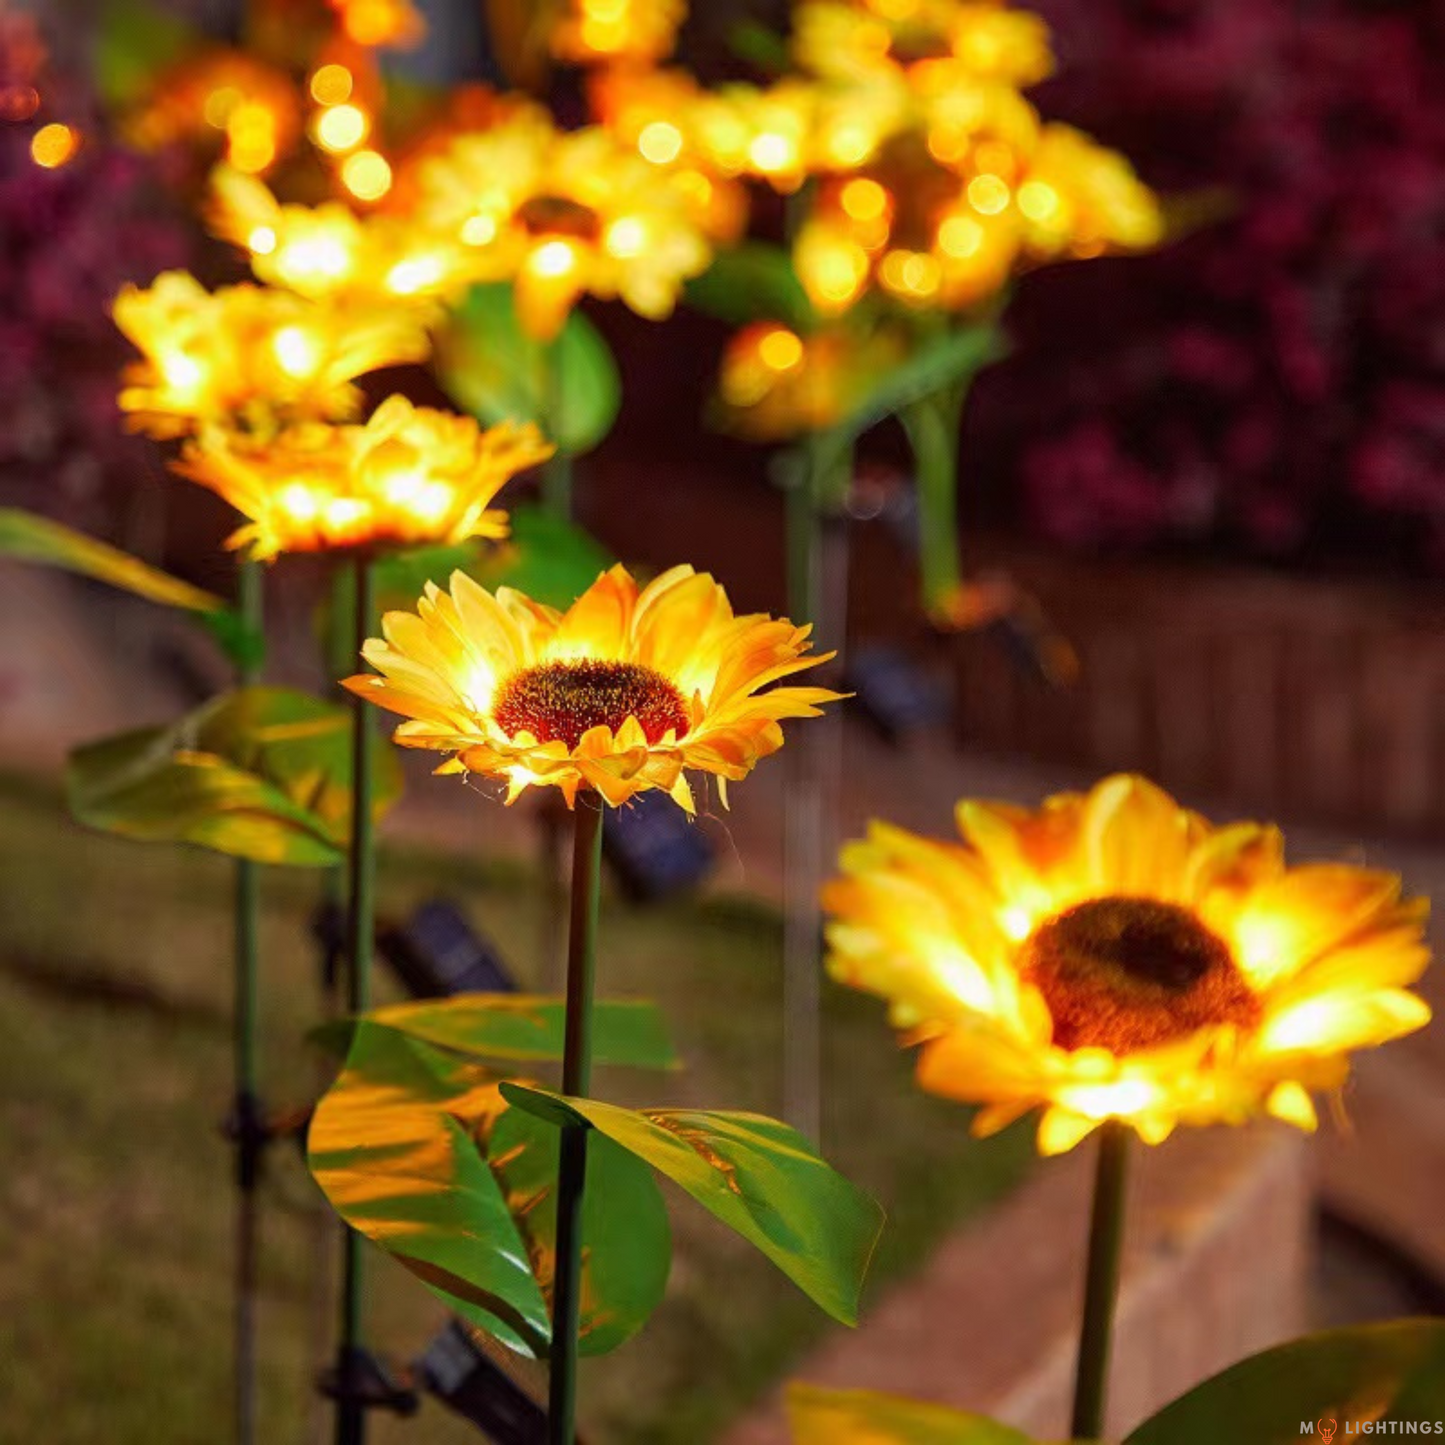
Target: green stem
247, 1113
1101, 1286
933, 432
814, 517
341, 660
557, 470
576, 1080
351, 1413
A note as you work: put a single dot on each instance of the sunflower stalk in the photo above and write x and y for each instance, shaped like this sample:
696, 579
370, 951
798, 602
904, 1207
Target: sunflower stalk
557, 469
247, 1119
1101, 1281
350, 1408
932, 427
576, 1081
817, 595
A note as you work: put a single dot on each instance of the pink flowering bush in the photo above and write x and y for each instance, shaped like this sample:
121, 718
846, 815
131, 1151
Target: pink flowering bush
71, 237
1276, 379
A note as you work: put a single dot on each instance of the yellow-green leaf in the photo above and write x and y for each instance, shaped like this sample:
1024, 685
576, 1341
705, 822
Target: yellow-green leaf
261, 773
758, 1176
863, 1417
415, 1147
522, 1028
29, 538
1380, 1376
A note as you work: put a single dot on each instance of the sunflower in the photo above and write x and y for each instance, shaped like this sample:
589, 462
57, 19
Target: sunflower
248, 108
624, 692
1114, 956
1016, 194
392, 23
329, 251
925, 44
775, 384
563, 214
638, 32
409, 477
250, 359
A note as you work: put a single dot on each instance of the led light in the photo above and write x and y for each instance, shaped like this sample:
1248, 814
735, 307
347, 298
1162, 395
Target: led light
299, 502
182, 372
367, 175
53, 145
553, 258
341, 127
250, 137
864, 200
626, 237
295, 351
771, 152
780, 349
660, 142
315, 256
219, 104
331, 85
1039, 201
479, 230
960, 236
414, 274
989, 194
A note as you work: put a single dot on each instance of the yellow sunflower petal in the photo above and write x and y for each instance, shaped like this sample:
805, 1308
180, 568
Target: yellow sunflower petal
1290, 1102
1290, 921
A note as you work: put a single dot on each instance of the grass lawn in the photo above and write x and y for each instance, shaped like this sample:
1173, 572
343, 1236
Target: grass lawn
115, 1203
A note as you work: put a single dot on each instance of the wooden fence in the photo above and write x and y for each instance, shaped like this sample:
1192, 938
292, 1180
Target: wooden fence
1314, 700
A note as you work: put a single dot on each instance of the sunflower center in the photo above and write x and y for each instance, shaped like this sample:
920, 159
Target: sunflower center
559, 216
560, 701
1128, 973
910, 44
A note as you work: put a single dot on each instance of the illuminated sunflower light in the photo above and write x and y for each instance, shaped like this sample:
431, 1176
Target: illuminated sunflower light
775, 385
640, 32
951, 238
394, 24
779, 134
329, 251
251, 109
1113, 956
563, 215
252, 359
930, 44
409, 477
626, 691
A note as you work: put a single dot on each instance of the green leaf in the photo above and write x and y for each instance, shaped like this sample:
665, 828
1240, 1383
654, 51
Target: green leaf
626, 1239
863, 1417
520, 1027
494, 369
29, 538
549, 558
752, 282
950, 360
758, 1176
1384, 1373
134, 41
415, 1147
760, 46
261, 773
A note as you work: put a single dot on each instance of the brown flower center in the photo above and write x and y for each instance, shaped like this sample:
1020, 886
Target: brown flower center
913, 43
1128, 973
559, 216
560, 701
